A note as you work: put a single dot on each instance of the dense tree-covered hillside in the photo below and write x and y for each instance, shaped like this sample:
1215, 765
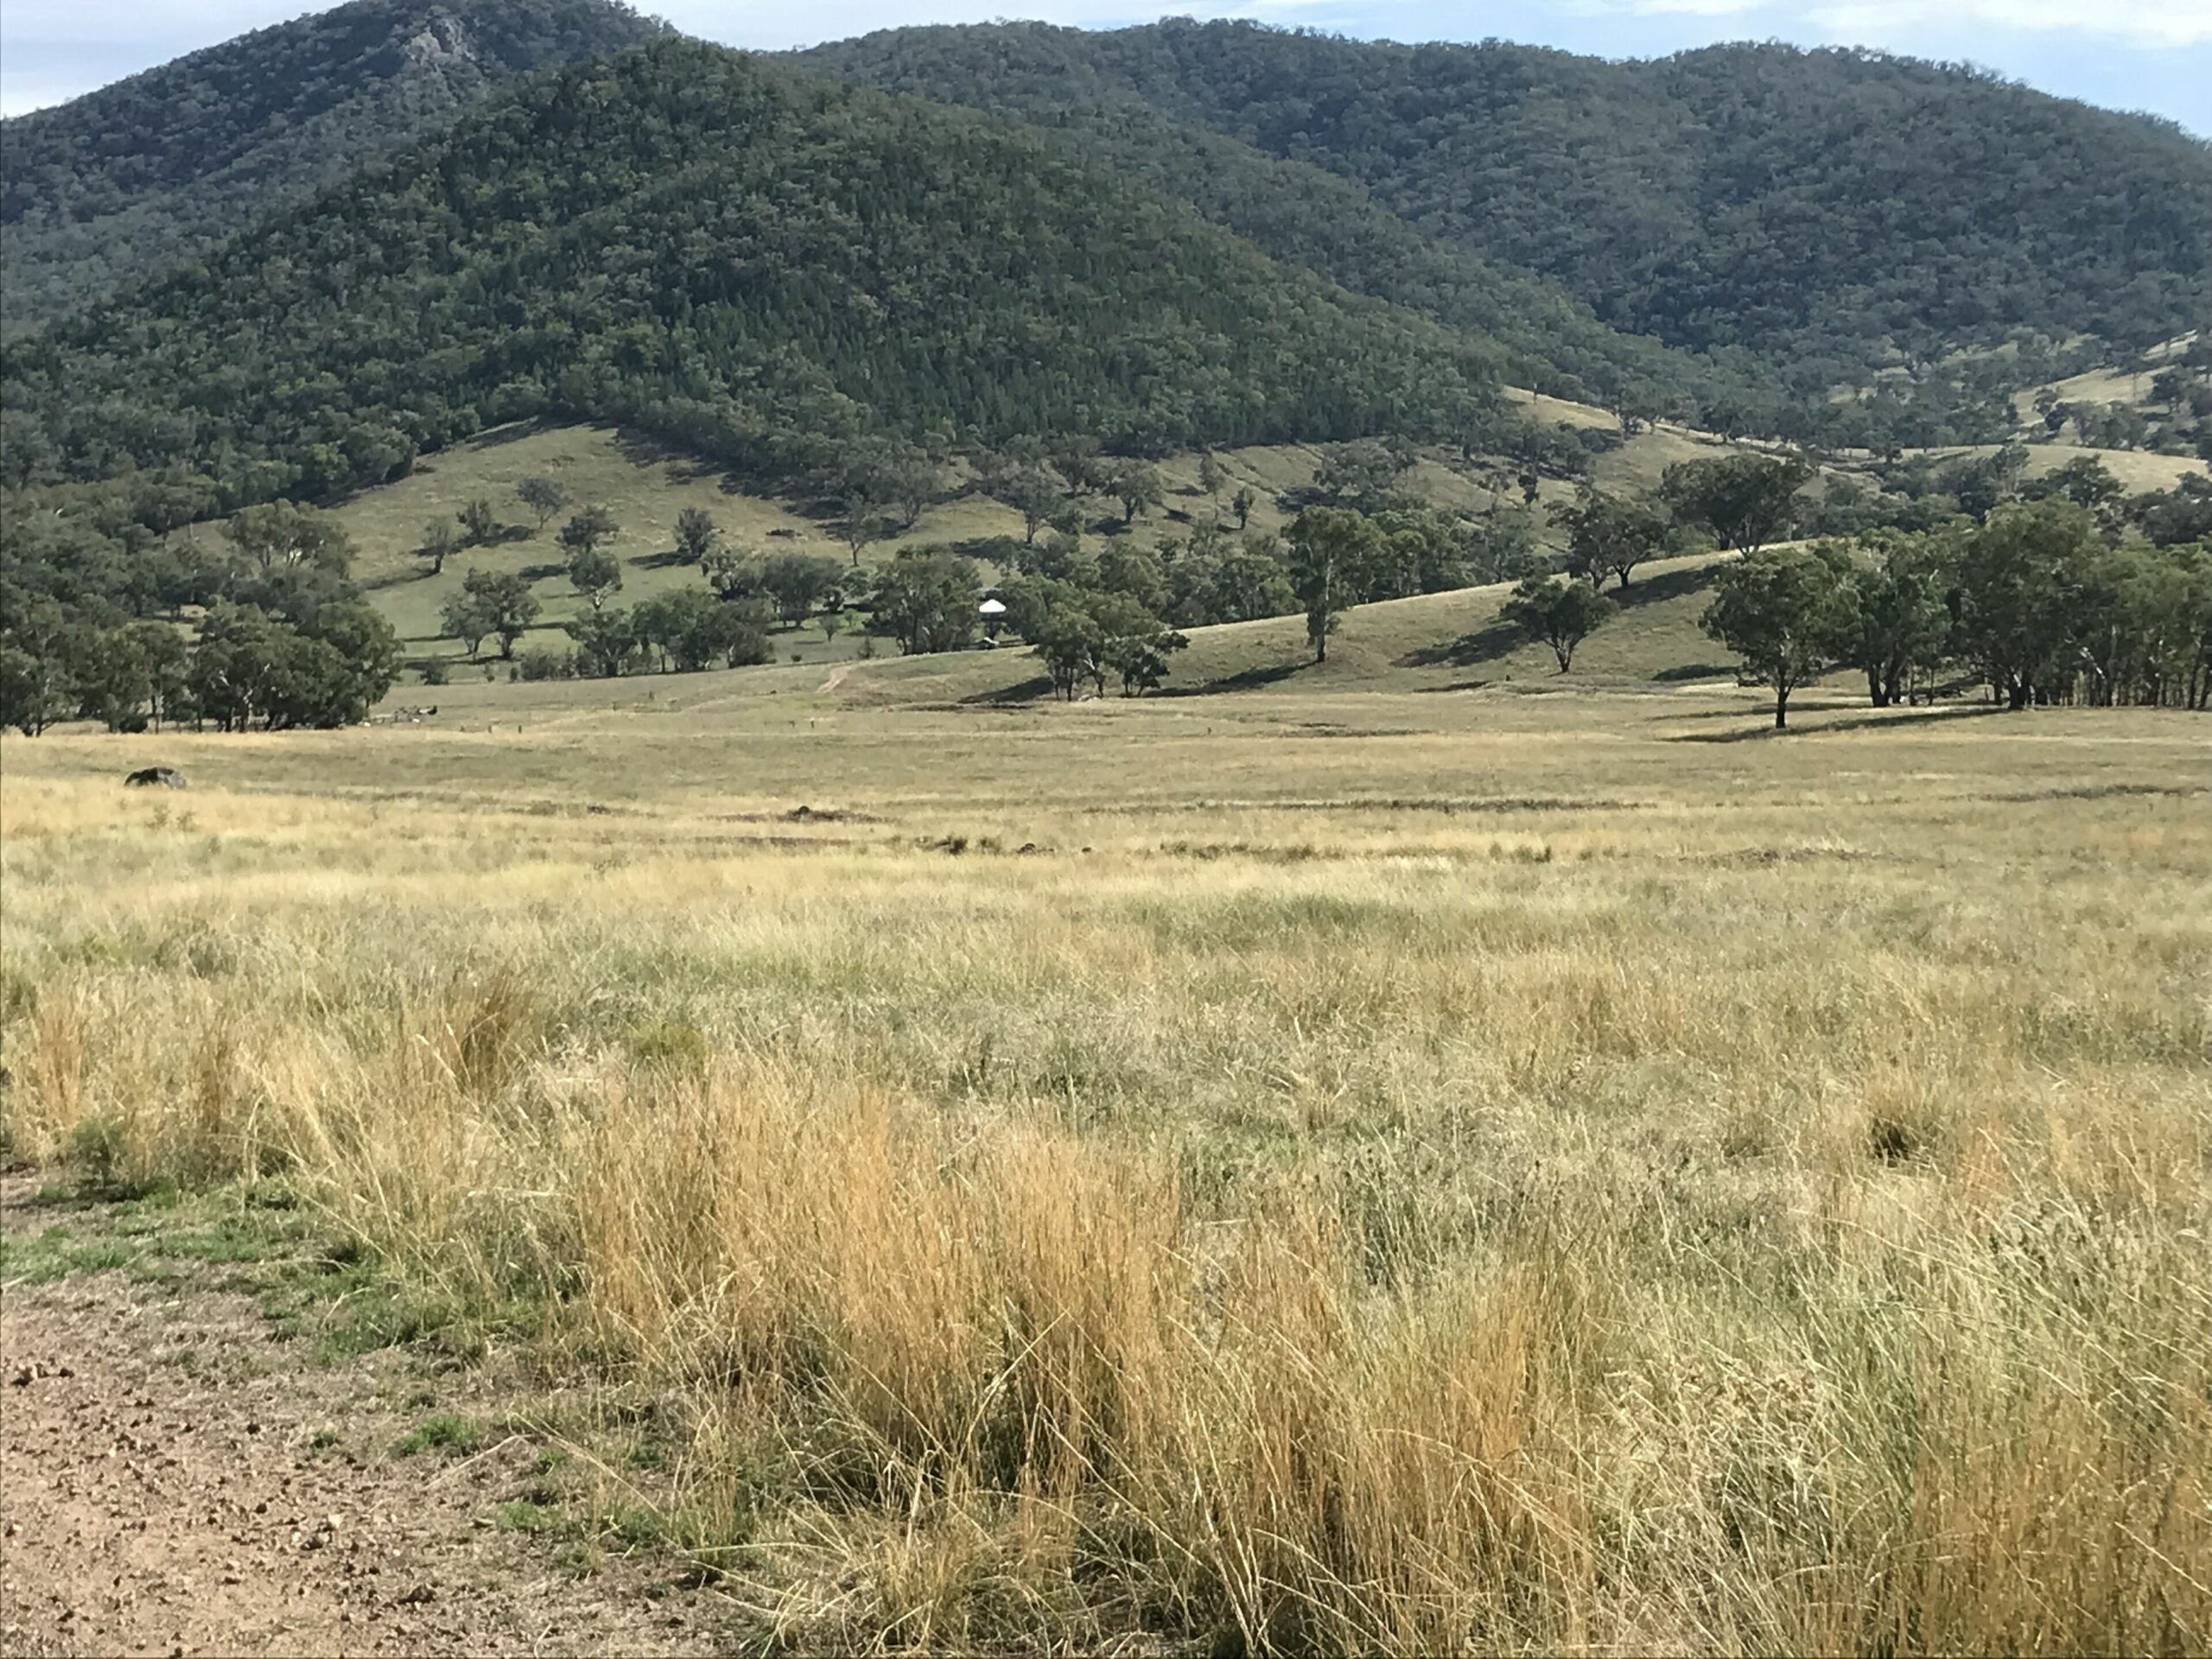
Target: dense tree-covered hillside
165, 163
760, 263
1303, 214
1830, 209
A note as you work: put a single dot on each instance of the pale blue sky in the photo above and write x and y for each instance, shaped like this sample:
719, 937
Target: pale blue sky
2149, 55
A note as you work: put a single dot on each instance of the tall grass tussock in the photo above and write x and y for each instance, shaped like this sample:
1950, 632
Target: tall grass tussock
1757, 1209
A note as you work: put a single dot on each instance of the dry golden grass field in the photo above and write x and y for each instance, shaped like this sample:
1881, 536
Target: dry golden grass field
1343, 1167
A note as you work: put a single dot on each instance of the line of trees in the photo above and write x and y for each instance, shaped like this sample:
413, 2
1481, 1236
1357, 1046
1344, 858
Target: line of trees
2036, 603
107, 612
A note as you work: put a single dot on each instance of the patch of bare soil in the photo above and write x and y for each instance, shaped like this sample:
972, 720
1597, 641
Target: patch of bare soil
176, 1479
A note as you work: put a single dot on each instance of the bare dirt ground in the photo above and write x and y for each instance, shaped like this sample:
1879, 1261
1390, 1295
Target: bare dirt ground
177, 1480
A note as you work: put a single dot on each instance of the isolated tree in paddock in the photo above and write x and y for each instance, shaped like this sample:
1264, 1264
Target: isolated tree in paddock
1241, 504
1030, 492
796, 583
734, 573
595, 574
1075, 457
1745, 501
1635, 411
1610, 535
695, 535
740, 634
509, 607
439, 543
1560, 611
478, 522
1133, 643
1331, 551
590, 529
1781, 610
1363, 471
1068, 643
1211, 479
465, 618
863, 525
543, 498
879, 475
1136, 485
907, 481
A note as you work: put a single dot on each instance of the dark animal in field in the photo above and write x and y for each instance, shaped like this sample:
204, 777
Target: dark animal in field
154, 778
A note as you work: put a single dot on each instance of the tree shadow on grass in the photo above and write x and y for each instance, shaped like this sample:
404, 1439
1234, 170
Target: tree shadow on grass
1486, 645
514, 432
1498, 639
1863, 722
1249, 679
1036, 688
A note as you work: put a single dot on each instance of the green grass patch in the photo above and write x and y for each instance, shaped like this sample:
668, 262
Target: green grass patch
526, 1515
441, 1431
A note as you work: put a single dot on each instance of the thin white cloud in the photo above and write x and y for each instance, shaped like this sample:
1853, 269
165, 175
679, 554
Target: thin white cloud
2162, 22
1697, 8
2146, 23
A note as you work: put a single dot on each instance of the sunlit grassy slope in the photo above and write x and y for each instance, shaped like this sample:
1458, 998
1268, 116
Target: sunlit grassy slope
645, 487
2102, 386
1436, 643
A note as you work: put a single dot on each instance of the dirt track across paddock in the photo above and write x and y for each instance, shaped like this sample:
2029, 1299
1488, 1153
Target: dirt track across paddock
175, 1478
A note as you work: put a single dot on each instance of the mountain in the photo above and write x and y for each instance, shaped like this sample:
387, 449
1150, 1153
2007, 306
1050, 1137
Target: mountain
761, 264
1832, 210
1301, 214
165, 165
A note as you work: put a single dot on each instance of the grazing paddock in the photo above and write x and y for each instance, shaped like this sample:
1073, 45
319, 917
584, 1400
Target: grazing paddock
1378, 1171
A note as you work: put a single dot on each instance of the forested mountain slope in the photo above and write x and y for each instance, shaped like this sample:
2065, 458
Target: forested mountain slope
163, 164
1301, 213
1829, 209
760, 263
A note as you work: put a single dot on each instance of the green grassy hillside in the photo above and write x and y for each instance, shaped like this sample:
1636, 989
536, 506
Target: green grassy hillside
645, 485
1431, 643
